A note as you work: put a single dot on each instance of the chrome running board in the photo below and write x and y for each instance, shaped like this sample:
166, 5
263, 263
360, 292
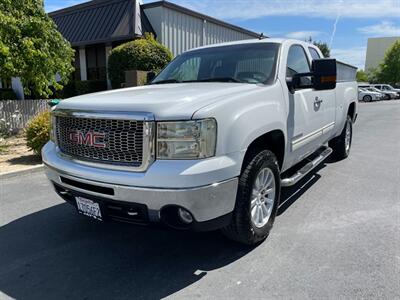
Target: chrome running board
296, 177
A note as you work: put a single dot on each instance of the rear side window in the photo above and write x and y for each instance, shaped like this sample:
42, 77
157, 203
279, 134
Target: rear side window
297, 61
314, 53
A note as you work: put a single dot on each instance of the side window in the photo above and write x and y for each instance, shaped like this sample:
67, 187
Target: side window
297, 61
314, 53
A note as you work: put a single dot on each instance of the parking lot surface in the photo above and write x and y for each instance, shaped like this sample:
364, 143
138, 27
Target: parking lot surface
337, 236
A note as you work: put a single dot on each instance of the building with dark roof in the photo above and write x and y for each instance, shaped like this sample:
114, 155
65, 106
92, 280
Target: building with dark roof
94, 28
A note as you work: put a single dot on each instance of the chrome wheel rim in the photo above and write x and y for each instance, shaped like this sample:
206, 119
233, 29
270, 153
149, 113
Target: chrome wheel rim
348, 137
262, 197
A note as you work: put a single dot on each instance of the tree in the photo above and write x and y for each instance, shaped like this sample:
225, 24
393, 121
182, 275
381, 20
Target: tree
145, 54
362, 76
372, 75
324, 48
389, 70
31, 47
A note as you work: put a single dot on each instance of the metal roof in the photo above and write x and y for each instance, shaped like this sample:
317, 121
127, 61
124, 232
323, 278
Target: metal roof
195, 14
99, 22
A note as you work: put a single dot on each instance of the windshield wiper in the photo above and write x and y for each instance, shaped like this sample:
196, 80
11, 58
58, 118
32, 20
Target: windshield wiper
220, 79
167, 81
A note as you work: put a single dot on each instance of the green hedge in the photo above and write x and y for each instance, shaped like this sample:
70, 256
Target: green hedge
90, 86
144, 54
76, 88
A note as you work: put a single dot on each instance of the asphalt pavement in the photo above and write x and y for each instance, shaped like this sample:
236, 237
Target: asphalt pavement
337, 236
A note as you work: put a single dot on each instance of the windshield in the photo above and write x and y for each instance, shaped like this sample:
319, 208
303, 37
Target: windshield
245, 63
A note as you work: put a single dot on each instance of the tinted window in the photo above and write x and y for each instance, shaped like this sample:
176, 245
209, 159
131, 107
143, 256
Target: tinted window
314, 53
245, 63
297, 61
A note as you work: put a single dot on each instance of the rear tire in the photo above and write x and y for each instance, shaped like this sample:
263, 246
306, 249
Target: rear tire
341, 145
257, 200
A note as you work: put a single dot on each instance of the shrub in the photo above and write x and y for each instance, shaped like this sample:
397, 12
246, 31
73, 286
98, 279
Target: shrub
4, 129
38, 131
90, 86
76, 88
144, 54
7, 94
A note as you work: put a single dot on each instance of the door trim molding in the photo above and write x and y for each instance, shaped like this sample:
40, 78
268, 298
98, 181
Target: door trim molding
296, 144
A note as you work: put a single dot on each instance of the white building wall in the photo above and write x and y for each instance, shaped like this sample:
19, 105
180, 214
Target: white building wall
376, 50
180, 32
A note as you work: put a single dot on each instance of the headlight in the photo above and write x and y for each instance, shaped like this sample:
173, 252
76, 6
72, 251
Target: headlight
186, 139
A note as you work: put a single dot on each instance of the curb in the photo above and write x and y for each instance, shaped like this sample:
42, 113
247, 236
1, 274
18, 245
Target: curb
30, 170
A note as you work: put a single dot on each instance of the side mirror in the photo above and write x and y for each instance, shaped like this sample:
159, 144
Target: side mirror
150, 76
299, 81
322, 76
324, 73
294, 82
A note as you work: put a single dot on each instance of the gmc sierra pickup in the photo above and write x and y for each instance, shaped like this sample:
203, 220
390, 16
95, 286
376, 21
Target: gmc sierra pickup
209, 143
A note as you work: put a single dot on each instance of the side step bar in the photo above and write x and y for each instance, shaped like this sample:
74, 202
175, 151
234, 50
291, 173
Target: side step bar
292, 180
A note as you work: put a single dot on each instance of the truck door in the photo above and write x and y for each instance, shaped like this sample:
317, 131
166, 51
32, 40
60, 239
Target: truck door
306, 116
328, 103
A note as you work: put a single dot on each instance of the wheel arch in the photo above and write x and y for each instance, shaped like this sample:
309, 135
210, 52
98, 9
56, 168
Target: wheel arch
273, 140
352, 111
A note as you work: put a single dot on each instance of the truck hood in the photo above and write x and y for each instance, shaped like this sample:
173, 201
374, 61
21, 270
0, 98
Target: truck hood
165, 101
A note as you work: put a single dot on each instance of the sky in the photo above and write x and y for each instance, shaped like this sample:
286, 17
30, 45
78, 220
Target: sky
345, 25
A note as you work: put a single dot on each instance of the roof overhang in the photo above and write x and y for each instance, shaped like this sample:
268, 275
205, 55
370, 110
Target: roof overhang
101, 21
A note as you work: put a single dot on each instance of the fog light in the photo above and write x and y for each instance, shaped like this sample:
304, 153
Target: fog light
185, 216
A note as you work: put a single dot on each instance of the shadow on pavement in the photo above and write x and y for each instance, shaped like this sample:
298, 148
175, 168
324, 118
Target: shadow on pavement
290, 195
57, 254
25, 160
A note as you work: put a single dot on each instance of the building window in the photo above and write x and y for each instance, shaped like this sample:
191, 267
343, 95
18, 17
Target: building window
96, 62
6, 83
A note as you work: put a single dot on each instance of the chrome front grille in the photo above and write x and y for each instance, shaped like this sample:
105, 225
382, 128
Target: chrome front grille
110, 141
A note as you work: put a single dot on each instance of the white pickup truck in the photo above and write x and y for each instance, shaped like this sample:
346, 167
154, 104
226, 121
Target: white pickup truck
209, 143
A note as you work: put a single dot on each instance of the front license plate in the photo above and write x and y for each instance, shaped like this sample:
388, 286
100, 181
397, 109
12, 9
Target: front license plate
88, 208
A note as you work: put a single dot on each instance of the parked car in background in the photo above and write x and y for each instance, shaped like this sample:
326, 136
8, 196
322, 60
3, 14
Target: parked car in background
387, 95
368, 96
387, 87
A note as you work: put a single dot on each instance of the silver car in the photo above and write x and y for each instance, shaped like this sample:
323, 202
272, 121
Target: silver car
387, 95
387, 87
368, 96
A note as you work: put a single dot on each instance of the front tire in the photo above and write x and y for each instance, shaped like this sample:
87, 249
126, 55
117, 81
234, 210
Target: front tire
341, 145
367, 98
257, 200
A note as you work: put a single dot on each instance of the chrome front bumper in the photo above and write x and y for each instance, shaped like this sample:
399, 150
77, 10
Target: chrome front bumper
205, 202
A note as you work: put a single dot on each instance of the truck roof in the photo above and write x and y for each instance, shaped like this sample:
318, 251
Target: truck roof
252, 41
266, 40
